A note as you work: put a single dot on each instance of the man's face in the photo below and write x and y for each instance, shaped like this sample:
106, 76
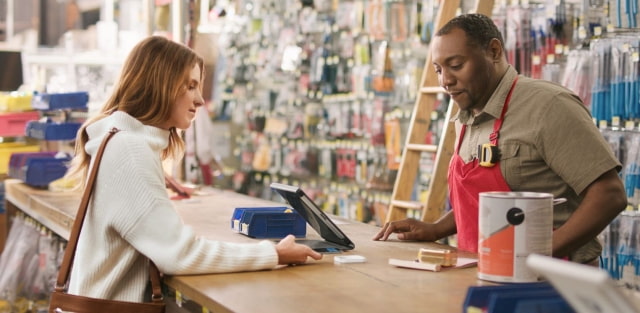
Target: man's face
465, 71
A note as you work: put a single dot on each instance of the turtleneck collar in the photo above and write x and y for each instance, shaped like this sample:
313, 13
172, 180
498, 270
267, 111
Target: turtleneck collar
157, 138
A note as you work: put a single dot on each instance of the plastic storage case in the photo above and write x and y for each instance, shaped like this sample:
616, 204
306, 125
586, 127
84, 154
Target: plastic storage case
49, 130
15, 101
268, 222
8, 148
59, 101
38, 168
13, 124
523, 297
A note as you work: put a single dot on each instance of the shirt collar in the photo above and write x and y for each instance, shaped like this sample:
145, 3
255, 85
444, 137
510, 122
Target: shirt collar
496, 101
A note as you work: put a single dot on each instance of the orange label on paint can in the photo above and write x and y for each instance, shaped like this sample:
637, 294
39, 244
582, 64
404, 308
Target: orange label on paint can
511, 226
497, 253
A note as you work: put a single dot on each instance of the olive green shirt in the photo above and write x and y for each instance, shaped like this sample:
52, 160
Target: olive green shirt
548, 143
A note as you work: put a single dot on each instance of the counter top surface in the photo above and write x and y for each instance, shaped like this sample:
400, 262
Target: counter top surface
318, 286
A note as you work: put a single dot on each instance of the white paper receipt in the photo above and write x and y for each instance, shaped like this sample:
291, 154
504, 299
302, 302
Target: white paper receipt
340, 259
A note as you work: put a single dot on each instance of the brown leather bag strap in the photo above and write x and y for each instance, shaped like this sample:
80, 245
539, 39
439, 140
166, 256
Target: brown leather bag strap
156, 289
72, 244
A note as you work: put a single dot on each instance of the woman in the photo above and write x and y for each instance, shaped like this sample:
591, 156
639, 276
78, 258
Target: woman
130, 217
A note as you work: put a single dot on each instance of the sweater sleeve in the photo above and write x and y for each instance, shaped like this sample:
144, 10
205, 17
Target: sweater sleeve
161, 236
145, 217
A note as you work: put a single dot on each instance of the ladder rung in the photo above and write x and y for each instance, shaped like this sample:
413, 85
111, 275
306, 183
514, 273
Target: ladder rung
434, 89
412, 205
423, 148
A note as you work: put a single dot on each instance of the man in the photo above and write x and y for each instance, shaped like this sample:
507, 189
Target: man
544, 136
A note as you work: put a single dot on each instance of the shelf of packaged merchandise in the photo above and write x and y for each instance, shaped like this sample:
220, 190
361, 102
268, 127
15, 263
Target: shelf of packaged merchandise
52, 56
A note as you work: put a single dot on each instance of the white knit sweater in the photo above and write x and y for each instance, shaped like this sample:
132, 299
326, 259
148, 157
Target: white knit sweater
130, 217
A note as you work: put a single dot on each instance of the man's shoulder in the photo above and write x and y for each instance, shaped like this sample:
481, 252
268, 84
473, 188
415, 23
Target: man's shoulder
541, 94
541, 87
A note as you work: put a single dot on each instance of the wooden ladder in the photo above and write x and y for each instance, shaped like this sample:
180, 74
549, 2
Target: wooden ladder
418, 128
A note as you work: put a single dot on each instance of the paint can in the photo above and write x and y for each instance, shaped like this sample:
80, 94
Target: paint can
511, 226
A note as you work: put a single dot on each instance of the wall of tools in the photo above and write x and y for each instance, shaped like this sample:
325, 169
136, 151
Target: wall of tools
320, 93
324, 91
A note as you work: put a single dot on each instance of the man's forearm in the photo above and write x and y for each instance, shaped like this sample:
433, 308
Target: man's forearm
603, 200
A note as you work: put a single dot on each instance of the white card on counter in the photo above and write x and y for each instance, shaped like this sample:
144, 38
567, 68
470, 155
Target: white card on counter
340, 259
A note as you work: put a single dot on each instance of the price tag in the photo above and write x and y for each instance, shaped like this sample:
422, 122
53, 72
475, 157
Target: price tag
610, 28
559, 48
535, 59
602, 124
551, 58
597, 31
629, 125
179, 298
582, 33
615, 121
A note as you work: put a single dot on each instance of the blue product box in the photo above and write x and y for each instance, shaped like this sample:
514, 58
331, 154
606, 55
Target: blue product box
38, 169
268, 222
481, 297
549, 300
549, 305
60, 101
49, 130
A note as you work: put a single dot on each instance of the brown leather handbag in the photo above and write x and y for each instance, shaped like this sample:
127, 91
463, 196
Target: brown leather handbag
65, 302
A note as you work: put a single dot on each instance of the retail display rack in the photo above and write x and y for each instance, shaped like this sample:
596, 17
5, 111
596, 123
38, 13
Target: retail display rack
51, 123
321, 96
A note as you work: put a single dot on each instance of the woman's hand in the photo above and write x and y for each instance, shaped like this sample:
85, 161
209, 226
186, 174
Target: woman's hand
289, 252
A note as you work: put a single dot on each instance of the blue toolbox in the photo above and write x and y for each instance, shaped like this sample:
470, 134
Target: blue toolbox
38, 169
60, 101
48, 130
536, 297
268, 222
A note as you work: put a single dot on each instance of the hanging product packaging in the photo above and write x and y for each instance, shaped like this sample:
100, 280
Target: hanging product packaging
513, 225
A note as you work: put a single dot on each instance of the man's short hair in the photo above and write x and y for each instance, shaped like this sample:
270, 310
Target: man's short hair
479, 28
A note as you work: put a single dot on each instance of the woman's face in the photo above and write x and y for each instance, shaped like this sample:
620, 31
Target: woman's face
184, 110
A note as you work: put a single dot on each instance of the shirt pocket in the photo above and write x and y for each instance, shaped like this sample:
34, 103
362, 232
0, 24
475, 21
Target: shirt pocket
510, 164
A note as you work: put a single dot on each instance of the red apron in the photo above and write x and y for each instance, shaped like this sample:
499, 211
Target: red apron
468, 180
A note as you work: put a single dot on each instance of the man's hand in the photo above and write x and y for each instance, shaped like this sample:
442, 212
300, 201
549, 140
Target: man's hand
408, 229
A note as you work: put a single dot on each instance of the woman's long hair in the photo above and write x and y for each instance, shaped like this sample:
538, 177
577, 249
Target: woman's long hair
154, 74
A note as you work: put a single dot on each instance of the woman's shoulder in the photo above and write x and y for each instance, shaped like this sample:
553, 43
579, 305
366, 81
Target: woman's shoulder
126, 147
129, 140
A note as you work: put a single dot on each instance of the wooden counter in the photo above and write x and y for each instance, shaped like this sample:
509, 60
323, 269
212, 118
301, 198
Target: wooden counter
319, 286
